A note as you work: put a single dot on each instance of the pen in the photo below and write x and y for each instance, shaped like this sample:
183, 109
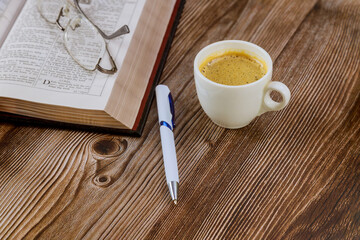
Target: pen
166, 113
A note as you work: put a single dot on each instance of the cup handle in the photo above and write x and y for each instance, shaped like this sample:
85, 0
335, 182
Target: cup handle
271, 105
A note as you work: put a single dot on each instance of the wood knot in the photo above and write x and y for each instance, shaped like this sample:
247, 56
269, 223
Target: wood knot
108, 147
102, 180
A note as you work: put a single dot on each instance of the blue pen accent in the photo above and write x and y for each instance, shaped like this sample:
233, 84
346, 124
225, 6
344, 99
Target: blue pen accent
172, 109
163, 123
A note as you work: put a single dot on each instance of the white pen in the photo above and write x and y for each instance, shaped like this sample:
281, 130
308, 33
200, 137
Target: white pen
166, 114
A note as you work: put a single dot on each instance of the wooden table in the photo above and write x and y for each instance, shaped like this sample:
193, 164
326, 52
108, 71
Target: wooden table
291, 174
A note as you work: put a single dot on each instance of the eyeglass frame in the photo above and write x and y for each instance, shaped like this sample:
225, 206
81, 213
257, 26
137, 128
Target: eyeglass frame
121, 31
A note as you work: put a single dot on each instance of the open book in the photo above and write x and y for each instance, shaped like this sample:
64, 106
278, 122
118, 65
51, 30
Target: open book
40, 80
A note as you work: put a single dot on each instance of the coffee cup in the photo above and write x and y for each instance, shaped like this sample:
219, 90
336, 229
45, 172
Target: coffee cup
236, 106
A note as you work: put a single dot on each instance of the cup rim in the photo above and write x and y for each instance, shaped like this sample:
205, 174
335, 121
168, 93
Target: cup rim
268, 73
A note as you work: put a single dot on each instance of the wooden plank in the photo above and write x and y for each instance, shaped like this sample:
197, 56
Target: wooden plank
289, 174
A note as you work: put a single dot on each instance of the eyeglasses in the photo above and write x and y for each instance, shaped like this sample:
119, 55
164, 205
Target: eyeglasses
84, 41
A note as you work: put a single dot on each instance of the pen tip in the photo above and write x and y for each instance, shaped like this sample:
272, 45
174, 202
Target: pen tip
175, 201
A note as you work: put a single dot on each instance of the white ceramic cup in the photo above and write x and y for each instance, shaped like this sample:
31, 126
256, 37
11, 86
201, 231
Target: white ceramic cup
236, 106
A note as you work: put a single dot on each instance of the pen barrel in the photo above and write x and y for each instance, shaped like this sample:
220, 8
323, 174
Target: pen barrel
169, 154
163, 104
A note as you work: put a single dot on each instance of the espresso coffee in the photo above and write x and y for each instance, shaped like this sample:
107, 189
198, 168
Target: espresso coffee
233, 68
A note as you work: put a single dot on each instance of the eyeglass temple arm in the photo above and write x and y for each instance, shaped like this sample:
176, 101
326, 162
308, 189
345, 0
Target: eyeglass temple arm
121, 31
112, 62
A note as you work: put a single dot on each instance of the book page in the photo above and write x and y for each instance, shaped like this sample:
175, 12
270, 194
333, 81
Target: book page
9, 10
35, 65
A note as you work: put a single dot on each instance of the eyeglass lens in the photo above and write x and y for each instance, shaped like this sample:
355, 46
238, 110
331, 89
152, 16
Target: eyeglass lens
84, 43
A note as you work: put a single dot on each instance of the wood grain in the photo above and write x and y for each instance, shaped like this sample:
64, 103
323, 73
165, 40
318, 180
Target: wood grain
292, 174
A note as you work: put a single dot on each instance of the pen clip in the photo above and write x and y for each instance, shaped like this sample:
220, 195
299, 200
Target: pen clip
172, 110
